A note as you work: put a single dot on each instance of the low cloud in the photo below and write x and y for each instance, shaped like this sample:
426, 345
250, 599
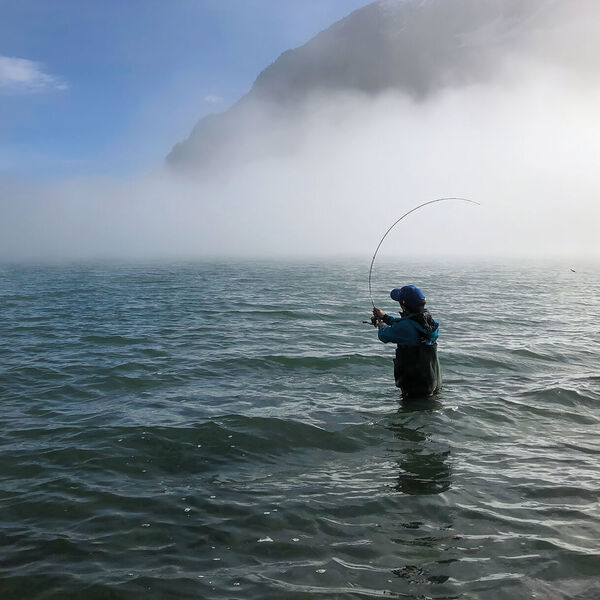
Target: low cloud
328, 177
526, 152
20, 75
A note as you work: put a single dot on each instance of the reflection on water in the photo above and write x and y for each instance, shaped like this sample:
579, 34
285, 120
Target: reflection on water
419, 404
424, 467
419, 575
424, 472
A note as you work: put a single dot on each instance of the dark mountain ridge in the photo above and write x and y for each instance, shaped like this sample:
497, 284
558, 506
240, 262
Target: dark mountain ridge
413, 47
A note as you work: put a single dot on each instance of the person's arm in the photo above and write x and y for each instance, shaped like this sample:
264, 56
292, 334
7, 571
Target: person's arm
401, 331
384, 325
381, 316
384, 333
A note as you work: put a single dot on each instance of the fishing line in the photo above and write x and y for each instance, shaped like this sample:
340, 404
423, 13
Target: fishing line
396, 223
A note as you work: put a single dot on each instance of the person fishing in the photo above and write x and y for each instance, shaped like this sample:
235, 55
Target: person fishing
416, 366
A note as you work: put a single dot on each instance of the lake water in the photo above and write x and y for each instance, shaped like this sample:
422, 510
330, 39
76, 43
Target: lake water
231, 430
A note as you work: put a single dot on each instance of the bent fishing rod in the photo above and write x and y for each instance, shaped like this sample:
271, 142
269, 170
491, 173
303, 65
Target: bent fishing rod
412, 210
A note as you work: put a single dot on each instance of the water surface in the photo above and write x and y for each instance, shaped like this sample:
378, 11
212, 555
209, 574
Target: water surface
231, 430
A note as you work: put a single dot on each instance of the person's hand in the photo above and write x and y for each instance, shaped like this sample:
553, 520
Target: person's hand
378, 313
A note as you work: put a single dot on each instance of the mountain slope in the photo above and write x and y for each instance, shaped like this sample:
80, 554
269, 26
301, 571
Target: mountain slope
414, 47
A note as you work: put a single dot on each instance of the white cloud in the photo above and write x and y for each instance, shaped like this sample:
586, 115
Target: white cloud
213, 99
23, 75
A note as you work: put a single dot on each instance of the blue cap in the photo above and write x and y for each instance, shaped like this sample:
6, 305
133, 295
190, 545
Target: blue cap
410, 295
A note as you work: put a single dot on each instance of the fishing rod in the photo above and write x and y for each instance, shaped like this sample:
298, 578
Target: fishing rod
412, 210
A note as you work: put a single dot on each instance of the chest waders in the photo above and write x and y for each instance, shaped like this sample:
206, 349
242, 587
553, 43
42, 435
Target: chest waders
417, 370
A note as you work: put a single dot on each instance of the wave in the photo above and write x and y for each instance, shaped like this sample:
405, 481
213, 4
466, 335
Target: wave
563, 396
317, 363
238, 437
116, 340
232, 438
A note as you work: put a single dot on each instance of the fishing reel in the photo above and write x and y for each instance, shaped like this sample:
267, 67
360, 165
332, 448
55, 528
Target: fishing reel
375, 321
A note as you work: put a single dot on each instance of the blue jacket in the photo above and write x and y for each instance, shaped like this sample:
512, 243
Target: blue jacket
406, 331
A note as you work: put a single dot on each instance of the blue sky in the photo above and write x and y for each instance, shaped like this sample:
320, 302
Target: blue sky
108, 86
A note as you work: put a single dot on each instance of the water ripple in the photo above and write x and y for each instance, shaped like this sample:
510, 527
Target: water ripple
161, 440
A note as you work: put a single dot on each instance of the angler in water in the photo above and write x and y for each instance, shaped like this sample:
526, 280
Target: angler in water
416, 366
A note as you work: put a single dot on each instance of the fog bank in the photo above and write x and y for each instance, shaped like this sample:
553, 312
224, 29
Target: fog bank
329, 176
